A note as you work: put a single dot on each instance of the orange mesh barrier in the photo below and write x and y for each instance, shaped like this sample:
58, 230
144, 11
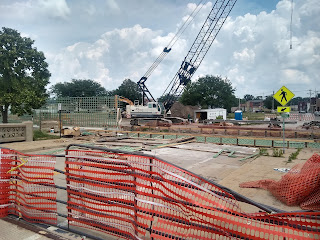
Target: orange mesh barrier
300, 186
26, 186
142, 197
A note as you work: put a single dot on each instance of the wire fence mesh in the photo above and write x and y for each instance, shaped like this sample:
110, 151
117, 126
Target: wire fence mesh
76, 111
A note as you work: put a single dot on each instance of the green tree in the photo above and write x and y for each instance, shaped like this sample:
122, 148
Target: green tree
295, 100
268, 102
128, 89
209, 91
78, 88
167, 96
24, 74
248, 97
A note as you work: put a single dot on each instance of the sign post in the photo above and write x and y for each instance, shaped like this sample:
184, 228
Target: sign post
283, 96
284, 116
60, 123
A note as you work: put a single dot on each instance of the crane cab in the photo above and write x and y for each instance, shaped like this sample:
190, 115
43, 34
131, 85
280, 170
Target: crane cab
151, 110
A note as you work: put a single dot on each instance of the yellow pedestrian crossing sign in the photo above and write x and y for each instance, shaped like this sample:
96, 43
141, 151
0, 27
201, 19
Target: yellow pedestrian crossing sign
283, 109
283, 96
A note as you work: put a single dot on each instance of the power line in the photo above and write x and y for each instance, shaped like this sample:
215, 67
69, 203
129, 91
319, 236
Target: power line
291, 24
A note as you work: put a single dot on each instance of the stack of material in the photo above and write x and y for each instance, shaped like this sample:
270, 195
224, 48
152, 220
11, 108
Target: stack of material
312, 125
300, 186
75, 132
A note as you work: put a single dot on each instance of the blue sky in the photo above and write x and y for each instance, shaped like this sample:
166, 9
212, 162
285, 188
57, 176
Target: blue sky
254, 6
110, 40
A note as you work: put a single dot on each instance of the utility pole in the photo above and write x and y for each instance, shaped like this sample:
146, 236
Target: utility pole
273, 102
310, 101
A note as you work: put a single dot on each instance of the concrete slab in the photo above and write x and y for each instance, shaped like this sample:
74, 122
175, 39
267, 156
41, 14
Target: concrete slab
21, 230
15, 232
198, 158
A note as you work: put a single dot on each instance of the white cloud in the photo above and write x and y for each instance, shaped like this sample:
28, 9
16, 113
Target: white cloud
56, 8
261, 59
251, 50
293, 76
246, 55
110, 40
118, 54
30, 10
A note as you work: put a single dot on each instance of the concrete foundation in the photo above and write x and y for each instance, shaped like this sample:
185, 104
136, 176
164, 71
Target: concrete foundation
16, 132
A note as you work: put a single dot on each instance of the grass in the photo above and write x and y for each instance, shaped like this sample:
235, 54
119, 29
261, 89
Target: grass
249, 115
39, 135
294, 155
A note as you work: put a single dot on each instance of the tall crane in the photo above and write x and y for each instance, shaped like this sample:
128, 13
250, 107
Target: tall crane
146, 94
209, 30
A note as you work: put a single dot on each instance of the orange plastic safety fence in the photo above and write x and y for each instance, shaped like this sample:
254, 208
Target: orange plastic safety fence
26, 186
141, 197
300, 186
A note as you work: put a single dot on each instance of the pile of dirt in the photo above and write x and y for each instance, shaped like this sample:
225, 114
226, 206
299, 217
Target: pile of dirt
180, 110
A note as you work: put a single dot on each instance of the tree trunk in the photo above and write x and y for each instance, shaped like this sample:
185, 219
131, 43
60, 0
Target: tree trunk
4, 114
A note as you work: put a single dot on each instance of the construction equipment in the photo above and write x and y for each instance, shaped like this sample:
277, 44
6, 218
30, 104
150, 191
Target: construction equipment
126, 100
197, 52
134, 110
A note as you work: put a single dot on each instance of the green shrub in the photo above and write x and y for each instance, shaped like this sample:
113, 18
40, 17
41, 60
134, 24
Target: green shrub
277, 152
164, 130
263, 152
294, 155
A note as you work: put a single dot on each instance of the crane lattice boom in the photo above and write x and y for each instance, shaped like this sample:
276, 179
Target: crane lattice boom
211, 27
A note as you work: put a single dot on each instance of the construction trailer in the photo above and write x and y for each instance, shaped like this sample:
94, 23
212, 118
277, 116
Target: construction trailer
209, 114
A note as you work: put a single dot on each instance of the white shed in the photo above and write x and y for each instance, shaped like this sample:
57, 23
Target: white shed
209, 114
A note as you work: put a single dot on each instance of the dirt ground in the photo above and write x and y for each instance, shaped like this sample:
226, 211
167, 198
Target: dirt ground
199, 159
263, 168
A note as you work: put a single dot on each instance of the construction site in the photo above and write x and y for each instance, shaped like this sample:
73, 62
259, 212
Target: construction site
109, 167
256, 182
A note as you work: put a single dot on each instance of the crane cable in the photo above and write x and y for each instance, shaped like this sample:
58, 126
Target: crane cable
182, 30
291, 24
174, 39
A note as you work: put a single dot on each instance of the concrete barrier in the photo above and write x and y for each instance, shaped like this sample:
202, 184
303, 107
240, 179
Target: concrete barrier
14, 132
